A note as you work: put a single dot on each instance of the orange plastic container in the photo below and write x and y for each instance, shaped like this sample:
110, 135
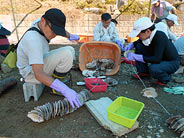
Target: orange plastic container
95, 84
131, 40
99, 50
85, 38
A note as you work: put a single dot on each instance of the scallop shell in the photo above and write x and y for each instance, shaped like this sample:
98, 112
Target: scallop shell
35, 117
149, 92
126, 53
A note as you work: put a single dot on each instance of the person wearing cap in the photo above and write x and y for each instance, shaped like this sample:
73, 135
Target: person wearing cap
4, 43
106, 31
160, 10
166, 24
36, 63
155, 54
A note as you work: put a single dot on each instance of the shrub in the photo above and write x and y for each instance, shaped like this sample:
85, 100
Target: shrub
135, 7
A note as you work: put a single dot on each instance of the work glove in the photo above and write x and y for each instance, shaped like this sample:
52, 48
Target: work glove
120, 44
174, 90
137, 57
74, 37
129, 46
70, 94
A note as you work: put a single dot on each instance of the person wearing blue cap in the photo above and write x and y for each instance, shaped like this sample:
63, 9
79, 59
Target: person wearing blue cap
37, 64
155, 54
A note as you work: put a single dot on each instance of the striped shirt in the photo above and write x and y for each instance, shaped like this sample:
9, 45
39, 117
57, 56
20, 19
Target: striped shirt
4, 45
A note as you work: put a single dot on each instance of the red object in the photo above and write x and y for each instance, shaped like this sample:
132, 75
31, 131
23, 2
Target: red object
141, 75
123, 59
95, 84
160, 83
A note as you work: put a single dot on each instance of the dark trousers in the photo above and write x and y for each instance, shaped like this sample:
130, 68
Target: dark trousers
157, 20
162, 71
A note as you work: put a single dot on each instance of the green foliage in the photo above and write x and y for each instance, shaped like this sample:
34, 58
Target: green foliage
89, 1
135, 7
91, 4
110, 2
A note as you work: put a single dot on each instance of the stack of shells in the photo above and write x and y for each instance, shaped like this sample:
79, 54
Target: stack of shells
61, 107
176, 123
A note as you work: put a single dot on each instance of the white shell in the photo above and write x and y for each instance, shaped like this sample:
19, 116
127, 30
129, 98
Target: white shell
150, 92
126, 53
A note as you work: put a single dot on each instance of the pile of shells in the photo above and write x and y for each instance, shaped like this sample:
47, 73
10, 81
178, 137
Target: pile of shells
105, 65
149, 92
110, 81
176, 123
57, 108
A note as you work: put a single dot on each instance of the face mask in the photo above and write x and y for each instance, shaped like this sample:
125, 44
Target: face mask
147, 42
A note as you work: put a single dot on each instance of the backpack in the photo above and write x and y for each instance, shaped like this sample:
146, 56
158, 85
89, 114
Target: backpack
11, 55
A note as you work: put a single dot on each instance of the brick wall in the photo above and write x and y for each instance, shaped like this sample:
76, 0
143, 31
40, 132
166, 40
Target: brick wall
81, 25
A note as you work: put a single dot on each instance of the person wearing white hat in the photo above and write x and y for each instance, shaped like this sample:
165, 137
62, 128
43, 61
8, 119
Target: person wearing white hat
160, 10
166, 24
155, 48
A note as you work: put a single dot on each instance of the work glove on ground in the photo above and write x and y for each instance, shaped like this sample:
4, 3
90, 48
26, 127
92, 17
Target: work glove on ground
120, 44
129, 47
137, 57
70, 94
74, 37
174, 90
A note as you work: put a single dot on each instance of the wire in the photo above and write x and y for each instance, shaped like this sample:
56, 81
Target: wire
13, 13
146, 87
16, 26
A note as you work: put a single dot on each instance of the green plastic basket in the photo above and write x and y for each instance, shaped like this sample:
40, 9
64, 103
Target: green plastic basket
124, 111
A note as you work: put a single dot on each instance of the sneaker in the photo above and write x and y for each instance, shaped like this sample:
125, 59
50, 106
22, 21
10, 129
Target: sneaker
141, 75
160, 83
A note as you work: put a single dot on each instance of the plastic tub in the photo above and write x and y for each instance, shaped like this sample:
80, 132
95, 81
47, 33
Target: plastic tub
99, 50
95, 84
124, 111
85, 38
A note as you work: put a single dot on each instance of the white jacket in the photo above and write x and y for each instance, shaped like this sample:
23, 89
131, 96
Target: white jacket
109, 35
162, 26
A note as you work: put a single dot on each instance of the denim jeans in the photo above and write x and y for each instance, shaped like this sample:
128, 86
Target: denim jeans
162, 71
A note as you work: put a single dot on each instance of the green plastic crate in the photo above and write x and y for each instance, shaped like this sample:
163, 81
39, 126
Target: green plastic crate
124, 111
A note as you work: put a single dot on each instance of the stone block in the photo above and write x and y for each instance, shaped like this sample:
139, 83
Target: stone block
98, 109
34, 90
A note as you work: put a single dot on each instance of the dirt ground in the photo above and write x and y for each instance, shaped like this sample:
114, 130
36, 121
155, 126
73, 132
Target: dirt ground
81, 124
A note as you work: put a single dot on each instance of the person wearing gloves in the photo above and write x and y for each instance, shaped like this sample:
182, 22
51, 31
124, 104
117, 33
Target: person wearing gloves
160, 10
155, 54
166, 24
106, 31
37, 64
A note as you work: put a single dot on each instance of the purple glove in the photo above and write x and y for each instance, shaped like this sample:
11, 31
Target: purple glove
70, 94
137, 57
129, 46
120, 44
74, 37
